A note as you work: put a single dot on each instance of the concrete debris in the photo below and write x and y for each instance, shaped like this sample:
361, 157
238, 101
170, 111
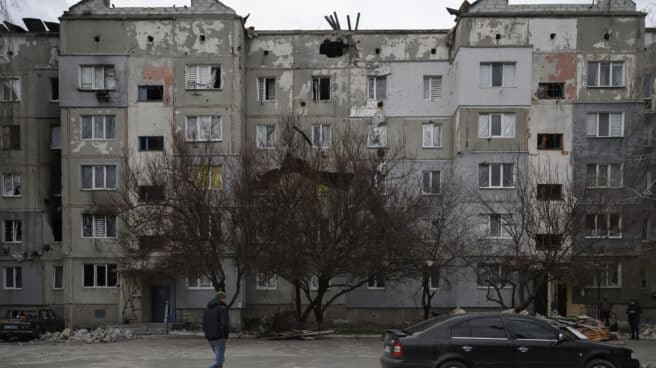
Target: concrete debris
647, 331
84, 336
457, 310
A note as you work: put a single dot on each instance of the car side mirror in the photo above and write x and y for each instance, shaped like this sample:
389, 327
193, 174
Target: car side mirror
561, 337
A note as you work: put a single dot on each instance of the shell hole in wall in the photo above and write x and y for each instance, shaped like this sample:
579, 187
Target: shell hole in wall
10, 53
96, 38
607, 36
552, 36
498, 36
202, 38
433, 51
150, 39
377, 51
266, 52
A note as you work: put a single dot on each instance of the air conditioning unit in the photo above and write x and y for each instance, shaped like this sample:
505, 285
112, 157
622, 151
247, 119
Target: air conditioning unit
102, 95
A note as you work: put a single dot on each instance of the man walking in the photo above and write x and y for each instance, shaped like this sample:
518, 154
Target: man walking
633, 313
215, 326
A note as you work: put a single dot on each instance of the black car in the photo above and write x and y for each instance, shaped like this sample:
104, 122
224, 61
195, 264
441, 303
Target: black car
29, 323
497, 341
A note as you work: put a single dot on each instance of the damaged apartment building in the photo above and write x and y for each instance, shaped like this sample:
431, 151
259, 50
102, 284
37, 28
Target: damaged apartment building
569, 87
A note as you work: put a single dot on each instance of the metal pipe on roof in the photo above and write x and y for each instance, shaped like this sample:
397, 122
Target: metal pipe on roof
348, 19
339, 26
357, 22
329, 22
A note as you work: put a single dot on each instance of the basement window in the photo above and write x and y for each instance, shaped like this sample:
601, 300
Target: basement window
97, 77
321, 88
203, 77
550, 192
550, 141
551, 90
151, 143
151, 93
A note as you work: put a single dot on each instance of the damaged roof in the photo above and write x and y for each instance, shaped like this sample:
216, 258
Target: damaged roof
504, 7
102, 7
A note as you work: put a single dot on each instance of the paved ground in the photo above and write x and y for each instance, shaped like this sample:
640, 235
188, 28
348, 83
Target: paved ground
180, 351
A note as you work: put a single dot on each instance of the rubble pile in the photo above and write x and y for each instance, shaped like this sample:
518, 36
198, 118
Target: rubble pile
85, 336
592, 328
648, 331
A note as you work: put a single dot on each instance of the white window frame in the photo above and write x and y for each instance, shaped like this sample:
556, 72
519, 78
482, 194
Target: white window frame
504, 78
262, 89
92, 120
94, 69
596, 125
502, 118
197, 283
431, 174
376, 135
605, 274
13, 84
314, 283
95, 276
200, 120
54, 277
15, 224
4, 276
501, 173
197, 83
610, 74
93, 177
596, 234
94, 218
429, 88
609, 177
372, 87
430, 128
504, 221
324, 142
261, 136
10, 192
271, 283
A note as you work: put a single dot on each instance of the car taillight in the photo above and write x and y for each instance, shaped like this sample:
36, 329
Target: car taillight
397, 350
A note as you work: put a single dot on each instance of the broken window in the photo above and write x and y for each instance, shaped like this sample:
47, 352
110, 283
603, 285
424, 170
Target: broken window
604, 175
97, 77
605, 74
151, 143
321, 89
376, 135
11, 89
203, 77
13, 278
603, 225
10, 137
551, 90
321, 135
550, 141
495, 176
204, 128
99, 275
151, 193
496, 125
432, 88
98, 127
98, 177
210, 177
265, 281
151, 93
98, 226
497, 75
547, 241
430, 182
266, 89
550, 192
54, 89
376, 281
13, 231
12, 185
377, 88
265, 136
605, 124
55, 137
432, 135
58, 277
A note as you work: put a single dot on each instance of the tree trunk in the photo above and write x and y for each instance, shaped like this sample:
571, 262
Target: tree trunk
300, 320
426, 298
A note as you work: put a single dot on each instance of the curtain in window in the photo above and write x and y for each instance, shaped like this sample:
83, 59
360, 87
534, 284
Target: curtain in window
483, 175
483, 126
215, 132
508, 175
484, 76
508, 75
508, 129
192, 128
87, 226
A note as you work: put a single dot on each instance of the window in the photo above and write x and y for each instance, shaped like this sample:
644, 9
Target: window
13, 278
265, 136
211, 177
13, 231
98, 226
54, 89
488, 274
547, 241
266, 89
645, 233
58, 277
550, 141
608, 275
497, 75
430, 182
97, 77
98, 177
150, 93
151, 193
204, 128
377, 88
12, 185
496, 125
551, 90
99, 275
266, 282
550, 192
497, 226
434, 278
10, 139
432, 88
529, 330
480, 328
321, 135
203, 77
603, 225
321, 89
376, 281
376, 135
605, 74
98, 127
431, 135
151, 143
604, 176
605, 125
199, 283
55, 137
11, 89
495, 176
647, 84
314, 283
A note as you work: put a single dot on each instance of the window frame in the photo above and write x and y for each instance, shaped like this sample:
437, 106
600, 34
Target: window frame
14, 277
504, 220
146, 139
259, 285
95, 276
431, 174
502, 116
379, 131
199, 121
267, 145
609, 176
16, 224
432, 127
373, 94
139, 87
595, 234
428, 81
198, 284
377, 282
548, 189
54, 277
514, 333
544, 147
322, 140
7, 133
605, 273
262, 95
610, 74
16, 91
93, 177
197, 85
501, 175
13, 175
92, 120
597, 116
93, 226
94, 79
545, 87
503, 74
316, 88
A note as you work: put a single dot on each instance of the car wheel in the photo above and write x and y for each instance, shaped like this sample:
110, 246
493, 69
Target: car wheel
453, 364
599, 363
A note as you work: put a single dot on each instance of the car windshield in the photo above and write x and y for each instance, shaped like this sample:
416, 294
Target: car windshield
423, 325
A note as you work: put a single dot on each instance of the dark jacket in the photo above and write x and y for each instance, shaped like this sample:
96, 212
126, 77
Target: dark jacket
633, 312
215, 320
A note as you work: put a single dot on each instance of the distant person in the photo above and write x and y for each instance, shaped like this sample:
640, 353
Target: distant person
215, 326
604, 311
633, 313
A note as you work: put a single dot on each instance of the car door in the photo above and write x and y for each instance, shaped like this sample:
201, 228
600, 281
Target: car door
483, 342
537, 345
